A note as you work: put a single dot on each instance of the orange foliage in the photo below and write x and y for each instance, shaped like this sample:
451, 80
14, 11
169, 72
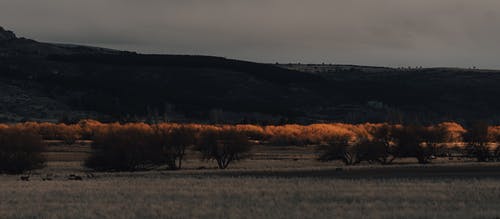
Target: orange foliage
291, 134
311, 134
3, 126
454, 130
494, 133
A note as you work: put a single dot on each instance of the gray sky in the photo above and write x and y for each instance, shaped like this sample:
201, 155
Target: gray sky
460, 33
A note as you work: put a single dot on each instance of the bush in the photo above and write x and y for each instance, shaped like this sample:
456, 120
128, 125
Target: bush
20, 150
69, 134
382, 142
312, 134
364, 149
432, 137
223, 146
338, 148
89, 127
125, 148
138, 146
252, 131
373, 151
411, 142
454, 131
477, 138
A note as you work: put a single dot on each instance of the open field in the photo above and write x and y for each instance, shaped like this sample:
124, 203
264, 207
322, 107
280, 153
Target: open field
282, 193
278, 182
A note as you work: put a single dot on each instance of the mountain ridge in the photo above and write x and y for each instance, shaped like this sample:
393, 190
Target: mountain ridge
44, 81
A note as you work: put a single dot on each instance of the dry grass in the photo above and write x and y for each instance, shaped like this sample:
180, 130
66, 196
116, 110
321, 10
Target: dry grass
155, 195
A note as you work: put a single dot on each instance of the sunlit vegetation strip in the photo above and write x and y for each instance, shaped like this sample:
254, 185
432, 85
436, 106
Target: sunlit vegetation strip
140, 146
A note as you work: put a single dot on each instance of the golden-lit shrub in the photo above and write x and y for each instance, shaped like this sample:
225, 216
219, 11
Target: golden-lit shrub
454, 131
494, 133
69, 133
305, 135
20, 150
285, 135
252, 131
32, 127
89, 127
48, 131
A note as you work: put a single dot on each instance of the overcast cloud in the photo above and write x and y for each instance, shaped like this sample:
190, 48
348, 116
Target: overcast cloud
460, 33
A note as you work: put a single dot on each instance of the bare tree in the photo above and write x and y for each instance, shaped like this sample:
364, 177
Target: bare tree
173, 144
224, 146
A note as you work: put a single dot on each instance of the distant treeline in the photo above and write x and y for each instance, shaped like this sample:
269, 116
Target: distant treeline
290, 134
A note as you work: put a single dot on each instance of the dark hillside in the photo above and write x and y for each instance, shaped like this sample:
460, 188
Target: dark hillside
44, 81
124, 84
428, 93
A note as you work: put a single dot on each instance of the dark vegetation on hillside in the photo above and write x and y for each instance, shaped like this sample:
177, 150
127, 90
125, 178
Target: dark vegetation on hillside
42, 81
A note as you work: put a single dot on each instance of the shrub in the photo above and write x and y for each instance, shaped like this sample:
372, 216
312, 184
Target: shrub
382, 143
477, 139
454, 131
20, 150
252, 131
89, 127
69, 134
338, 148
410, 142
311, 134
125, 148
432, 137
50, 131
372, 151
223, 146
137, 146
375, 149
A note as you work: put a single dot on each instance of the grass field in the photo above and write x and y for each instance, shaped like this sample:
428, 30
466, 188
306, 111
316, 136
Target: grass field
265, 187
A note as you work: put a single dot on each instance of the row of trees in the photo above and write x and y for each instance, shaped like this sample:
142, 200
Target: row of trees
388, 142
129, 147
292, 134
132, 147
141, 146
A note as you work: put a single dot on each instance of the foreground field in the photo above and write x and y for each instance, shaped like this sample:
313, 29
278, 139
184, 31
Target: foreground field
400, 191
277, 182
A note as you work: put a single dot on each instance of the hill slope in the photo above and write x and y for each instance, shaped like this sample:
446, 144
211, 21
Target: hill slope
120, 84
43, 81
